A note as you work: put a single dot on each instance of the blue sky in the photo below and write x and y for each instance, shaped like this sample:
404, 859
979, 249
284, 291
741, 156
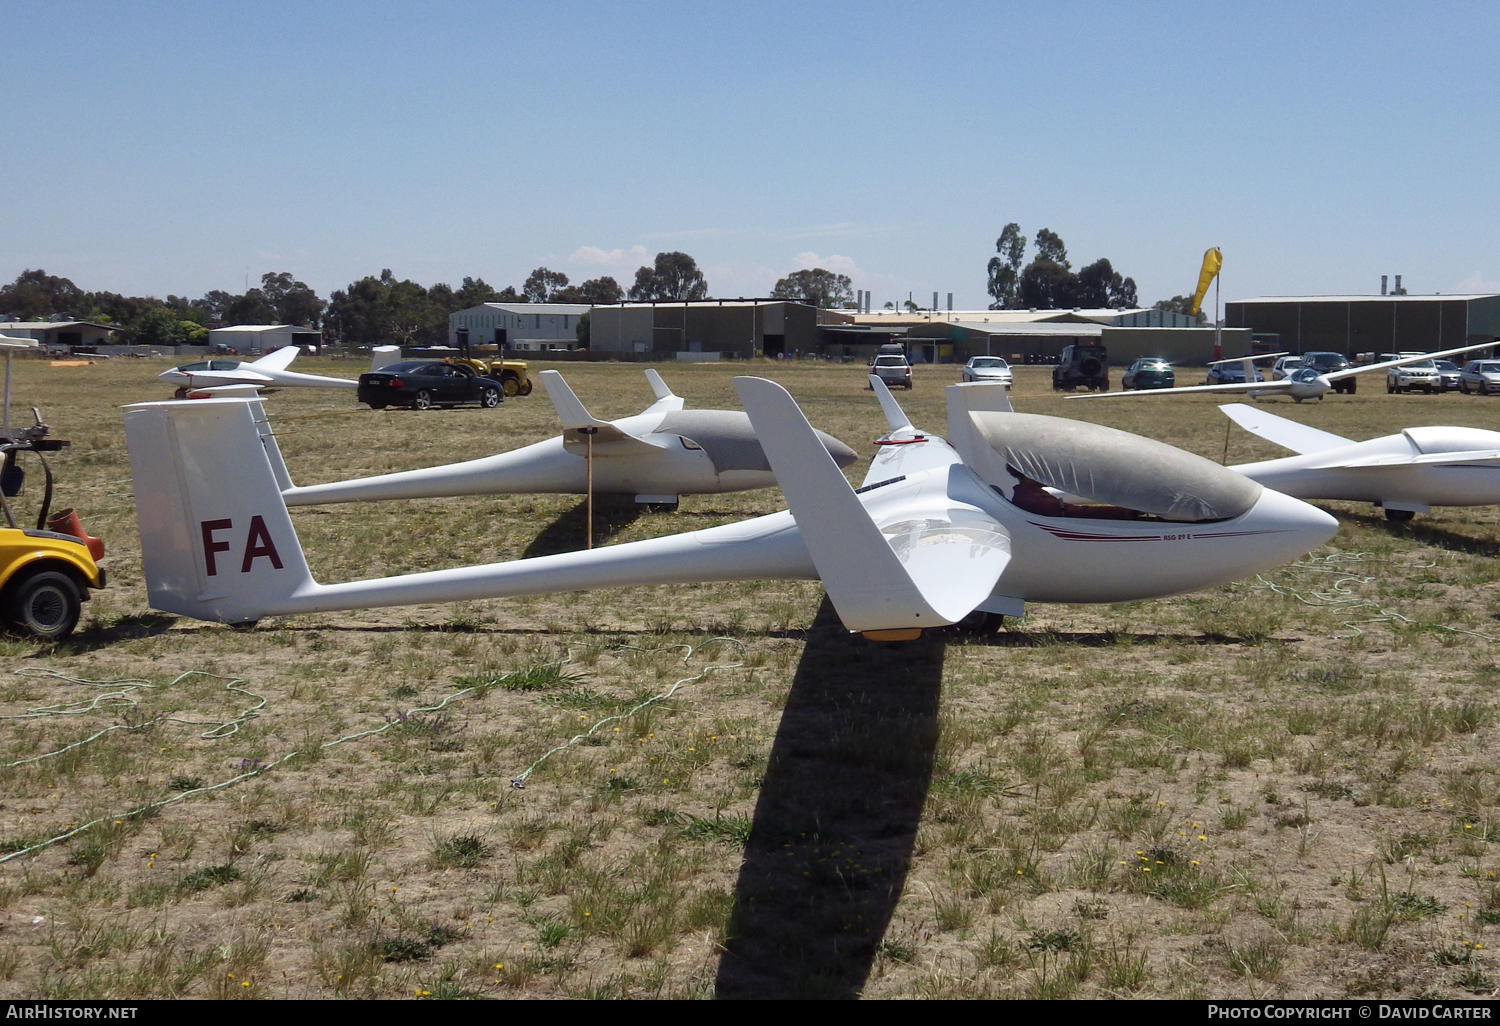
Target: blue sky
158, 148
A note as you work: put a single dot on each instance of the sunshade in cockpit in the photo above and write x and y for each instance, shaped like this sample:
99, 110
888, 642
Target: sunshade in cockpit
1115, 467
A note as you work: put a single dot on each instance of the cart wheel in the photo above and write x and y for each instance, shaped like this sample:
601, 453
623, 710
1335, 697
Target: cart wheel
512, 385
526, 388
45, 604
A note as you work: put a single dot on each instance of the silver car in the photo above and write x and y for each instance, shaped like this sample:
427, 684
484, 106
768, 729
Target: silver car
1482, 376
989, 368
1284, 367
893, 370
1423, 374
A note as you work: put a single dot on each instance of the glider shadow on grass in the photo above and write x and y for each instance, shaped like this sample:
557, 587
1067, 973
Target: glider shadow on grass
834, 828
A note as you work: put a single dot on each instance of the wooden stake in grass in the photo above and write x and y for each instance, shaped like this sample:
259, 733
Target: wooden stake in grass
588, 514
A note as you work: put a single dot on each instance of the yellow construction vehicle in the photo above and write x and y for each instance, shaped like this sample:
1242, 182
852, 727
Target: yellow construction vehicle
511, 374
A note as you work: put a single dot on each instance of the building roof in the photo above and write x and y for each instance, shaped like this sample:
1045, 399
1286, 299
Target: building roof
256, 328
710, 303
53, 325
566, 309
1065, 328
1104, 316
1436, 297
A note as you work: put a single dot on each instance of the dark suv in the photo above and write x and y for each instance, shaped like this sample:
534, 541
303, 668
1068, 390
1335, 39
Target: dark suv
1081, 365
1327, 363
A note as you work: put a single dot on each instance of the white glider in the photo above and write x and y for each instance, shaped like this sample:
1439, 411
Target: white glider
217, 377
938, 533
656, 455
1405, 474
1303, 383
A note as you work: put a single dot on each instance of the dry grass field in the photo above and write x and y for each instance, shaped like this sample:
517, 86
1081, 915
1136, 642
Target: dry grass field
1285, 787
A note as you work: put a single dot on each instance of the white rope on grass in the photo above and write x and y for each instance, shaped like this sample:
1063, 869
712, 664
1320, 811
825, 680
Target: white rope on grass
1338, 594
520, 781
218, 729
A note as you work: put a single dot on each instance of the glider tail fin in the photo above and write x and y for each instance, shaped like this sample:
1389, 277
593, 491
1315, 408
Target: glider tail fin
895, 416
569, 410
281, 359
926, 569
216, 540
384, 356
665, 399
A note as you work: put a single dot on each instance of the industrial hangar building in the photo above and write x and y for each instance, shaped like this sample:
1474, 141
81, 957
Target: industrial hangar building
1031, 336
525, 327
738, 328
1368, 324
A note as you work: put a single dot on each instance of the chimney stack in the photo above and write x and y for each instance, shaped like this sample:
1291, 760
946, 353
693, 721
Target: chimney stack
1398, 291
1382, 284
950, 301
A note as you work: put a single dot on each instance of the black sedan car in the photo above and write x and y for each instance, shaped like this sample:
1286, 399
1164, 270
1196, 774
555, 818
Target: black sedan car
423, 384
1149, 372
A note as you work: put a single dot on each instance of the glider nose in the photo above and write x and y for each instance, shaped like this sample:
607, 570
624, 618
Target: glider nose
1293, 527
841, 453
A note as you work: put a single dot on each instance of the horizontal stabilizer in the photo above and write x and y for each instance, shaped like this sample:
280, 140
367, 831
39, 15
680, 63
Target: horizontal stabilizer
1288, 433
280, 360
930, 565
666, 401
578, 424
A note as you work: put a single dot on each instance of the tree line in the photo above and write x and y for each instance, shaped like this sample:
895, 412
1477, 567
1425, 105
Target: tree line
1049, 282
374, 310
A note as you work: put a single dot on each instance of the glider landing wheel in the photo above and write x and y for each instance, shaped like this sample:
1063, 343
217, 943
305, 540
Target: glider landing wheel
978, 624
1399, 516
181, 393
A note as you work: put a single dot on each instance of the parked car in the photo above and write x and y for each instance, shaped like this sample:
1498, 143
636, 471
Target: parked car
1086, 365
893, 370
1327, 363
423, 384
1149, 372
1482, 376
1448, 374
989, 368
1230, 374
1284, 367
1423, 374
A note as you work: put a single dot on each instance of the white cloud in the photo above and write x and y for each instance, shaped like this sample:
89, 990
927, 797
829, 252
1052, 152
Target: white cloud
835, 263
593, 256
1476, 283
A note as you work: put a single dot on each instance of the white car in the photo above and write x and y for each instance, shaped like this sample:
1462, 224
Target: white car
1422, 374
1285, 366
989, 368
893, 370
